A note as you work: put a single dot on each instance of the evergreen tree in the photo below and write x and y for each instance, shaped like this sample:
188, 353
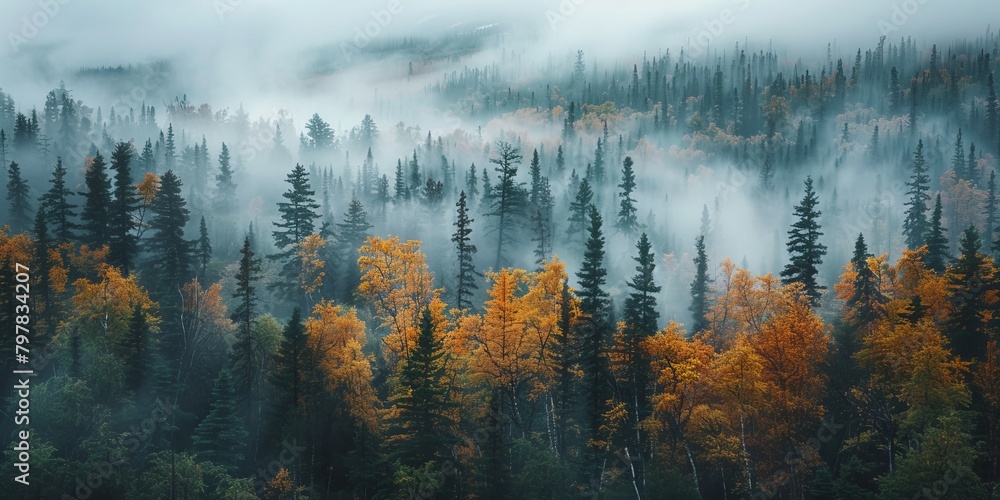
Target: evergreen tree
170, 216
937, 242
245, 353
18, 196
958, 158
640, 319
400, 192
147, 159
169, 149
805, 250
595, 308
866, 301
627, 220
465, 283
415, 177
290, 375
123, 244
320, 135
422, 401
699, 288
97, 201
536, 179
991, 212
225, 188
297, 218
508, 198
972, 280
560, 160
353, 233
221, 436
42, 288
137, 352
992, 115
542, 223
578, 209
915, 223
204, 248
598, 172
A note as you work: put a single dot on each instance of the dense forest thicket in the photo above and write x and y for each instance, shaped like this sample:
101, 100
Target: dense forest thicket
731, 276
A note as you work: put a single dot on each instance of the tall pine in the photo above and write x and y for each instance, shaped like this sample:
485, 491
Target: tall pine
805, 251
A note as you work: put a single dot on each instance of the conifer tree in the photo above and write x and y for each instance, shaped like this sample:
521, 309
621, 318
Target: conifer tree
137, 351
805, 251
204, 248
958, 158
699, 288
465, 282
290, 376
225, 188
578, 209
866, 301
508, 199
936, 240
18, 196
400, 192
536, 179
95, 215
245, 355
221, 436
627, 220
972, 280
990, 211
915, 223
353, 232
542, 223
123, 243
298, 213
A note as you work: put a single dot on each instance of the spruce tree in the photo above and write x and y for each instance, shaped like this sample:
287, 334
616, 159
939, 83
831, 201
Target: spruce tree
123, 244
560, 160
958, 158
866, 299
290, 376
915, 223
245, 354
542, 223
18, 196
465, 282
353, 233
422, 401
221, 436
95, 215
298, 213
937, 242
225, 188
170, 216
204, 248
627, 220
578, 209
972, 280
594, 306
136, 349
508, 199
536, 179
699, 288
805, 251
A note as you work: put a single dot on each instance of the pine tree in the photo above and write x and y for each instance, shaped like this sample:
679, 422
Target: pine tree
866, 300
147, 159
97, 200
245, 354
915, 223
400, 192
699, 288
595, 308
640, 319
321, 137
204, 248
937, 242
560, 160
170, 216
136, 348
805, 250
627, 220
225, 188
422, 401
972, 280
18, 196
578, 209
169, 149
415, 177
123, 244
465, 282
598, 171
298, 213
291, 366
221, 436
992, 114
536, 180
508, 198
353, 232
958, 158
542, 223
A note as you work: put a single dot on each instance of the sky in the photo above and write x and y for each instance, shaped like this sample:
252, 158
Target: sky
229, 41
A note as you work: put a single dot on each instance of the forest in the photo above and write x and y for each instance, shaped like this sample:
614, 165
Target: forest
739, 274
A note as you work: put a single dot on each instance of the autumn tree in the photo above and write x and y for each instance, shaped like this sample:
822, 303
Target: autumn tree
805, 250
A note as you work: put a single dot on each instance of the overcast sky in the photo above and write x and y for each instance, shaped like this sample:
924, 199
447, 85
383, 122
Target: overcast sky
258, 45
